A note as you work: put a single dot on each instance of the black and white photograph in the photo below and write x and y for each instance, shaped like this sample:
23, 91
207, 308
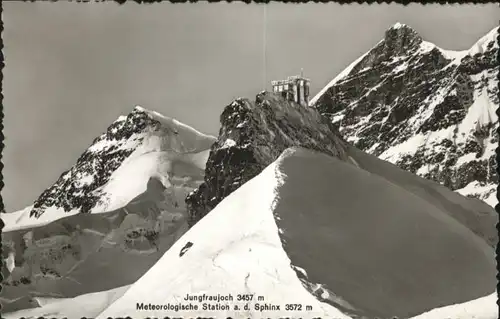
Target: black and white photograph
249, 160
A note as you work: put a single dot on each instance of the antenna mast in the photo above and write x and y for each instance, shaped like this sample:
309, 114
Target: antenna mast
264, 84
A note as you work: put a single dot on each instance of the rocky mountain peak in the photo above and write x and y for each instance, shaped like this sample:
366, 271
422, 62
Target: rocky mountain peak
401, 37
429, 110
252, 135
79, 187
402, 29
399, 43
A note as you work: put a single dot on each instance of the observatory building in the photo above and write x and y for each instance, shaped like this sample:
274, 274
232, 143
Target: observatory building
294, 88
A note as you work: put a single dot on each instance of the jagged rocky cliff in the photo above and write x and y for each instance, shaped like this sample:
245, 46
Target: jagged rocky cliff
252, 135
428, 110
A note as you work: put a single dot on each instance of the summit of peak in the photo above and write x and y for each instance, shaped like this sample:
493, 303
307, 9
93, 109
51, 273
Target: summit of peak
399, 25
86, 183
401, 28
400, 39
373, 95
140, 109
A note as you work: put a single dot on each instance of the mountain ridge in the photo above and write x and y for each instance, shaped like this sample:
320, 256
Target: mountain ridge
143, 139
452, 54
428, 110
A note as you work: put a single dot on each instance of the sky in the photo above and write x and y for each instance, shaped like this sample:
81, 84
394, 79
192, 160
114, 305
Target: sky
73, 68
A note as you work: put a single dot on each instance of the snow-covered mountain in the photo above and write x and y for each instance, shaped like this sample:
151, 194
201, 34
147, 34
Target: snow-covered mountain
294, 235
428, 110
121, 205
279, 208
136, 147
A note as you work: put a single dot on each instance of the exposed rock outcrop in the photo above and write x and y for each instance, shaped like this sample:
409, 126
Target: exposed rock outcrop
252, 135
428, 110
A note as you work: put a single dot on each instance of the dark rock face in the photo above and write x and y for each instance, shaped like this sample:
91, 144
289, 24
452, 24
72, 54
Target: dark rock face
96, 164
252, 136
428, 110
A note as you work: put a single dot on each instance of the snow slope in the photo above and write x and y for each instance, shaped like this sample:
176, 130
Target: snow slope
88, 305
482, 308
140, 146
245, 258
19, 217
